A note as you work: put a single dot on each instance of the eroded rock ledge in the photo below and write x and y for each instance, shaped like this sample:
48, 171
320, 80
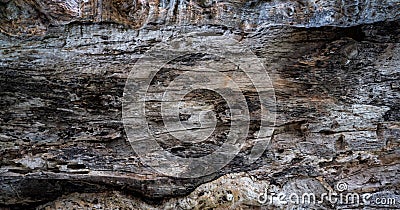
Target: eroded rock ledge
337, 92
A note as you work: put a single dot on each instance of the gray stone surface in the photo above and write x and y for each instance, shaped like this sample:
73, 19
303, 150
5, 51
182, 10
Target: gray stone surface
64, 66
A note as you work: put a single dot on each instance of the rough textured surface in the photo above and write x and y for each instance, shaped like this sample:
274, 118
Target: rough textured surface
64, 65
34, 17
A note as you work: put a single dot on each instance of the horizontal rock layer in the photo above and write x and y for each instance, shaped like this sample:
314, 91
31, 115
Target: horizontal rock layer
33, 17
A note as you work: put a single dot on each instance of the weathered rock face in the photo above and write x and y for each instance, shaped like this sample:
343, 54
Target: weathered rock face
33, 17
64, 65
